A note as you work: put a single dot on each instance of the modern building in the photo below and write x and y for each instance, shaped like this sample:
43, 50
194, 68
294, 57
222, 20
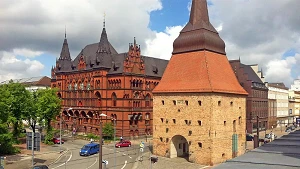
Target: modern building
32, 83
102, 81
252, 81
294, 106
278, 96
199, 109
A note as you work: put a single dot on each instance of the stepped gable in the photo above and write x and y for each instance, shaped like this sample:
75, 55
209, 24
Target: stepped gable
193, 66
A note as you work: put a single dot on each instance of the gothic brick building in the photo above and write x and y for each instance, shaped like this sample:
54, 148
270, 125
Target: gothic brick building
199, 109
101, 80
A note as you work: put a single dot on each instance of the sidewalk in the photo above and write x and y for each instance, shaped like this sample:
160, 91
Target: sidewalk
46, 156
164, 163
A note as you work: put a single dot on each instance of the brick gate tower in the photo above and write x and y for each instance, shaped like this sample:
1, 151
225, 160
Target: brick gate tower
199, 106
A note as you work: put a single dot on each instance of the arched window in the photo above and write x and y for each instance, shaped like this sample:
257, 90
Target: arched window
98, 102
147, 100
114, 99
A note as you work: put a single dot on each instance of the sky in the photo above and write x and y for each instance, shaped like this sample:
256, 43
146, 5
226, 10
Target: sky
258, 32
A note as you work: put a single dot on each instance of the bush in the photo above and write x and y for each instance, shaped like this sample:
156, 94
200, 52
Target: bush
49, 137
92, 136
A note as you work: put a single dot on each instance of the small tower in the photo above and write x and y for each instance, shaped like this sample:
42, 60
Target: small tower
199, 106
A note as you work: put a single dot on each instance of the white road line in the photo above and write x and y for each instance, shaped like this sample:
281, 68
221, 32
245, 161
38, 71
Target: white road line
124, 165
65, 162
92, 164
129, 156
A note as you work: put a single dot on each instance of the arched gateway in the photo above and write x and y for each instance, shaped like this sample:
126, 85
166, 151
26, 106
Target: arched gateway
179, 147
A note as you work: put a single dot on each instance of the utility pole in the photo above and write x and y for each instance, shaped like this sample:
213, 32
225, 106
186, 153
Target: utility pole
100, 149
257, 131
115, 158
32, 146
60, 132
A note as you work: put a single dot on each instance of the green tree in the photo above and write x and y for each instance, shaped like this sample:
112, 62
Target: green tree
108, 130
6, 137
19, 104
48, 105
32, 116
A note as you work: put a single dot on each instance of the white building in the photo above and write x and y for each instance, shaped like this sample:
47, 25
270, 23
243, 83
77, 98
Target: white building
280, 93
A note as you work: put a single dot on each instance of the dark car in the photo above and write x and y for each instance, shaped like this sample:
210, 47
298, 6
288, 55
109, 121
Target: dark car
57, 141
249, 137
40, 167
123, 144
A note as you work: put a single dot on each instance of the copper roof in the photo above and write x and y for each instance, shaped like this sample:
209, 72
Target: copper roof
199, 63
198, 34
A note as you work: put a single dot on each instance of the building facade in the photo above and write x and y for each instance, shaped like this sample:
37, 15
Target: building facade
199, 109
32, 83
252, 81
294, 106
102, 81
278, 96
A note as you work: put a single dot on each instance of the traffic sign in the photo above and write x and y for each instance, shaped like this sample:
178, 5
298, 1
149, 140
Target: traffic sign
36, 142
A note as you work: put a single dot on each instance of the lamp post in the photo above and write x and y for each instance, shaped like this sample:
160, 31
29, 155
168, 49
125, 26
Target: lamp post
60, 129
100, 149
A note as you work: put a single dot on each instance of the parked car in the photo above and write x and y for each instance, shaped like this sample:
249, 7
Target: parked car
40, 167
288, 129
249, 137
57, 141
124, 143
270, 136
89, 149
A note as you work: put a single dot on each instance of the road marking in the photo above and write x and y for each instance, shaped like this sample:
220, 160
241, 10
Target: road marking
124, 165
129, 156
66, 161
92, 164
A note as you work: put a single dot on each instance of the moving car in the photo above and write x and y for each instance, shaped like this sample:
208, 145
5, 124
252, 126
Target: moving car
124, 143
89, 149
249, 137
57, 141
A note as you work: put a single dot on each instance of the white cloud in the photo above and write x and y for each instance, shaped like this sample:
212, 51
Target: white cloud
162, 45
13, 68
26, 52
284, 66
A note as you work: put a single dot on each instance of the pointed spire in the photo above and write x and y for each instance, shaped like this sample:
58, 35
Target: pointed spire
104, 20
65, 32
198, 34
104, 45
65, 53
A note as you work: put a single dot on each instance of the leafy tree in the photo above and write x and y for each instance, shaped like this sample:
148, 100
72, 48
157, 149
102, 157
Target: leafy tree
32, 116
6, 139
18, 105
48, 105
108, 130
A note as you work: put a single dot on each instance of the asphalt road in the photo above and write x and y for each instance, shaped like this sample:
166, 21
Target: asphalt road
118, 158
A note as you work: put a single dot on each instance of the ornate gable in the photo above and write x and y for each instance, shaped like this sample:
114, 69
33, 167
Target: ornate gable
134, 63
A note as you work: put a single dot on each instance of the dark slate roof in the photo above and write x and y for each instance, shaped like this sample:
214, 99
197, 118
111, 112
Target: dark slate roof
154, 67
65, 53
251, 74
282, 153
198, 34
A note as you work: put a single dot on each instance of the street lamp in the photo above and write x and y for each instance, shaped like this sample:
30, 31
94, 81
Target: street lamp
100, 149
60, 130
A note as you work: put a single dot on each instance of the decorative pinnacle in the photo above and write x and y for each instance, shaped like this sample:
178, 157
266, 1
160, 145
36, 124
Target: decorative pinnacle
65, 32
104, 19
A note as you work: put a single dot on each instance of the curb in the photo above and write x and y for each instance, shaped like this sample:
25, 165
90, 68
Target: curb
63, 153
